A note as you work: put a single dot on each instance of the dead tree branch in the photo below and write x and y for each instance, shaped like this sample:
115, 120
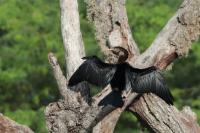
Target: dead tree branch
111, 24
72, 38
74, 114
173, 41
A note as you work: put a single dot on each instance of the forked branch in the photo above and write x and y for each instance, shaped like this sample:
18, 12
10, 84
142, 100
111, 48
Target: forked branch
73, 114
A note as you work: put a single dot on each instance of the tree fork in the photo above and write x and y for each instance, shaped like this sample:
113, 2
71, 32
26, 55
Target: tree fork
74, 114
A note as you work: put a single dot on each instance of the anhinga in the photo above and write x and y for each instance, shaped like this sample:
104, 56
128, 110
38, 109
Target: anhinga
121, 76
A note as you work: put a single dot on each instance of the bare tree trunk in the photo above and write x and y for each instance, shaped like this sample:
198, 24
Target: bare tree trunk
74, 114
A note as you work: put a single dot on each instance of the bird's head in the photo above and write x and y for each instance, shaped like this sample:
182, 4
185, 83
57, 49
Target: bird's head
119, 54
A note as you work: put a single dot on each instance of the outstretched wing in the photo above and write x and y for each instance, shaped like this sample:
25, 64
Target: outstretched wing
94, 71
150, 80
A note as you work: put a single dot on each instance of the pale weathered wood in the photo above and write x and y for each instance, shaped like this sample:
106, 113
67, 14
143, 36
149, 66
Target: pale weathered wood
173, 41
112, 29
176, 37
72, 114
162, 118
111, 23
62, 116
71, 34
60, 78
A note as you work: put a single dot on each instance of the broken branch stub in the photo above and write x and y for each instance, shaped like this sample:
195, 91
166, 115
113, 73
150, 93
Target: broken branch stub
173, 41
71, 114
111, 23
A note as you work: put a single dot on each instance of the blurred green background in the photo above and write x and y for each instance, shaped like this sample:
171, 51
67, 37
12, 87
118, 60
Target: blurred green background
30, 29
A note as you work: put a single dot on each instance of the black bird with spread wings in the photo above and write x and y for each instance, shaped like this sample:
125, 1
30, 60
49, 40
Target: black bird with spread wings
121, 76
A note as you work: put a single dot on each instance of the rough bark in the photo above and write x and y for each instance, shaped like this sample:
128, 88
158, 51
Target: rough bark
9, 126
111, 24
176, 37
72, 38
162, 118
173, 41
74, 114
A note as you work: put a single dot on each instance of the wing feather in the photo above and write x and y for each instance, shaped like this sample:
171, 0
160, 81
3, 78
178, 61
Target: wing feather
94, 71
149, 80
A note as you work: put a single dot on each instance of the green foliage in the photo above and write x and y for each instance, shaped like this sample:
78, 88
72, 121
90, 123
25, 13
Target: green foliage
28, 32
88, 32
34, 119
30, 29
127, 123
146, 19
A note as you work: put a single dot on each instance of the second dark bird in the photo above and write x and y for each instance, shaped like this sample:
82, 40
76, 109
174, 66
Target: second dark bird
121, 76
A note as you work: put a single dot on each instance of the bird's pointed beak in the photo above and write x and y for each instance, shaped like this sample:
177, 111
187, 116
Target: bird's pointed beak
111, 50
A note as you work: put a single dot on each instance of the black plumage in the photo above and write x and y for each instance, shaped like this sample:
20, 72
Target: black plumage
121, 76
